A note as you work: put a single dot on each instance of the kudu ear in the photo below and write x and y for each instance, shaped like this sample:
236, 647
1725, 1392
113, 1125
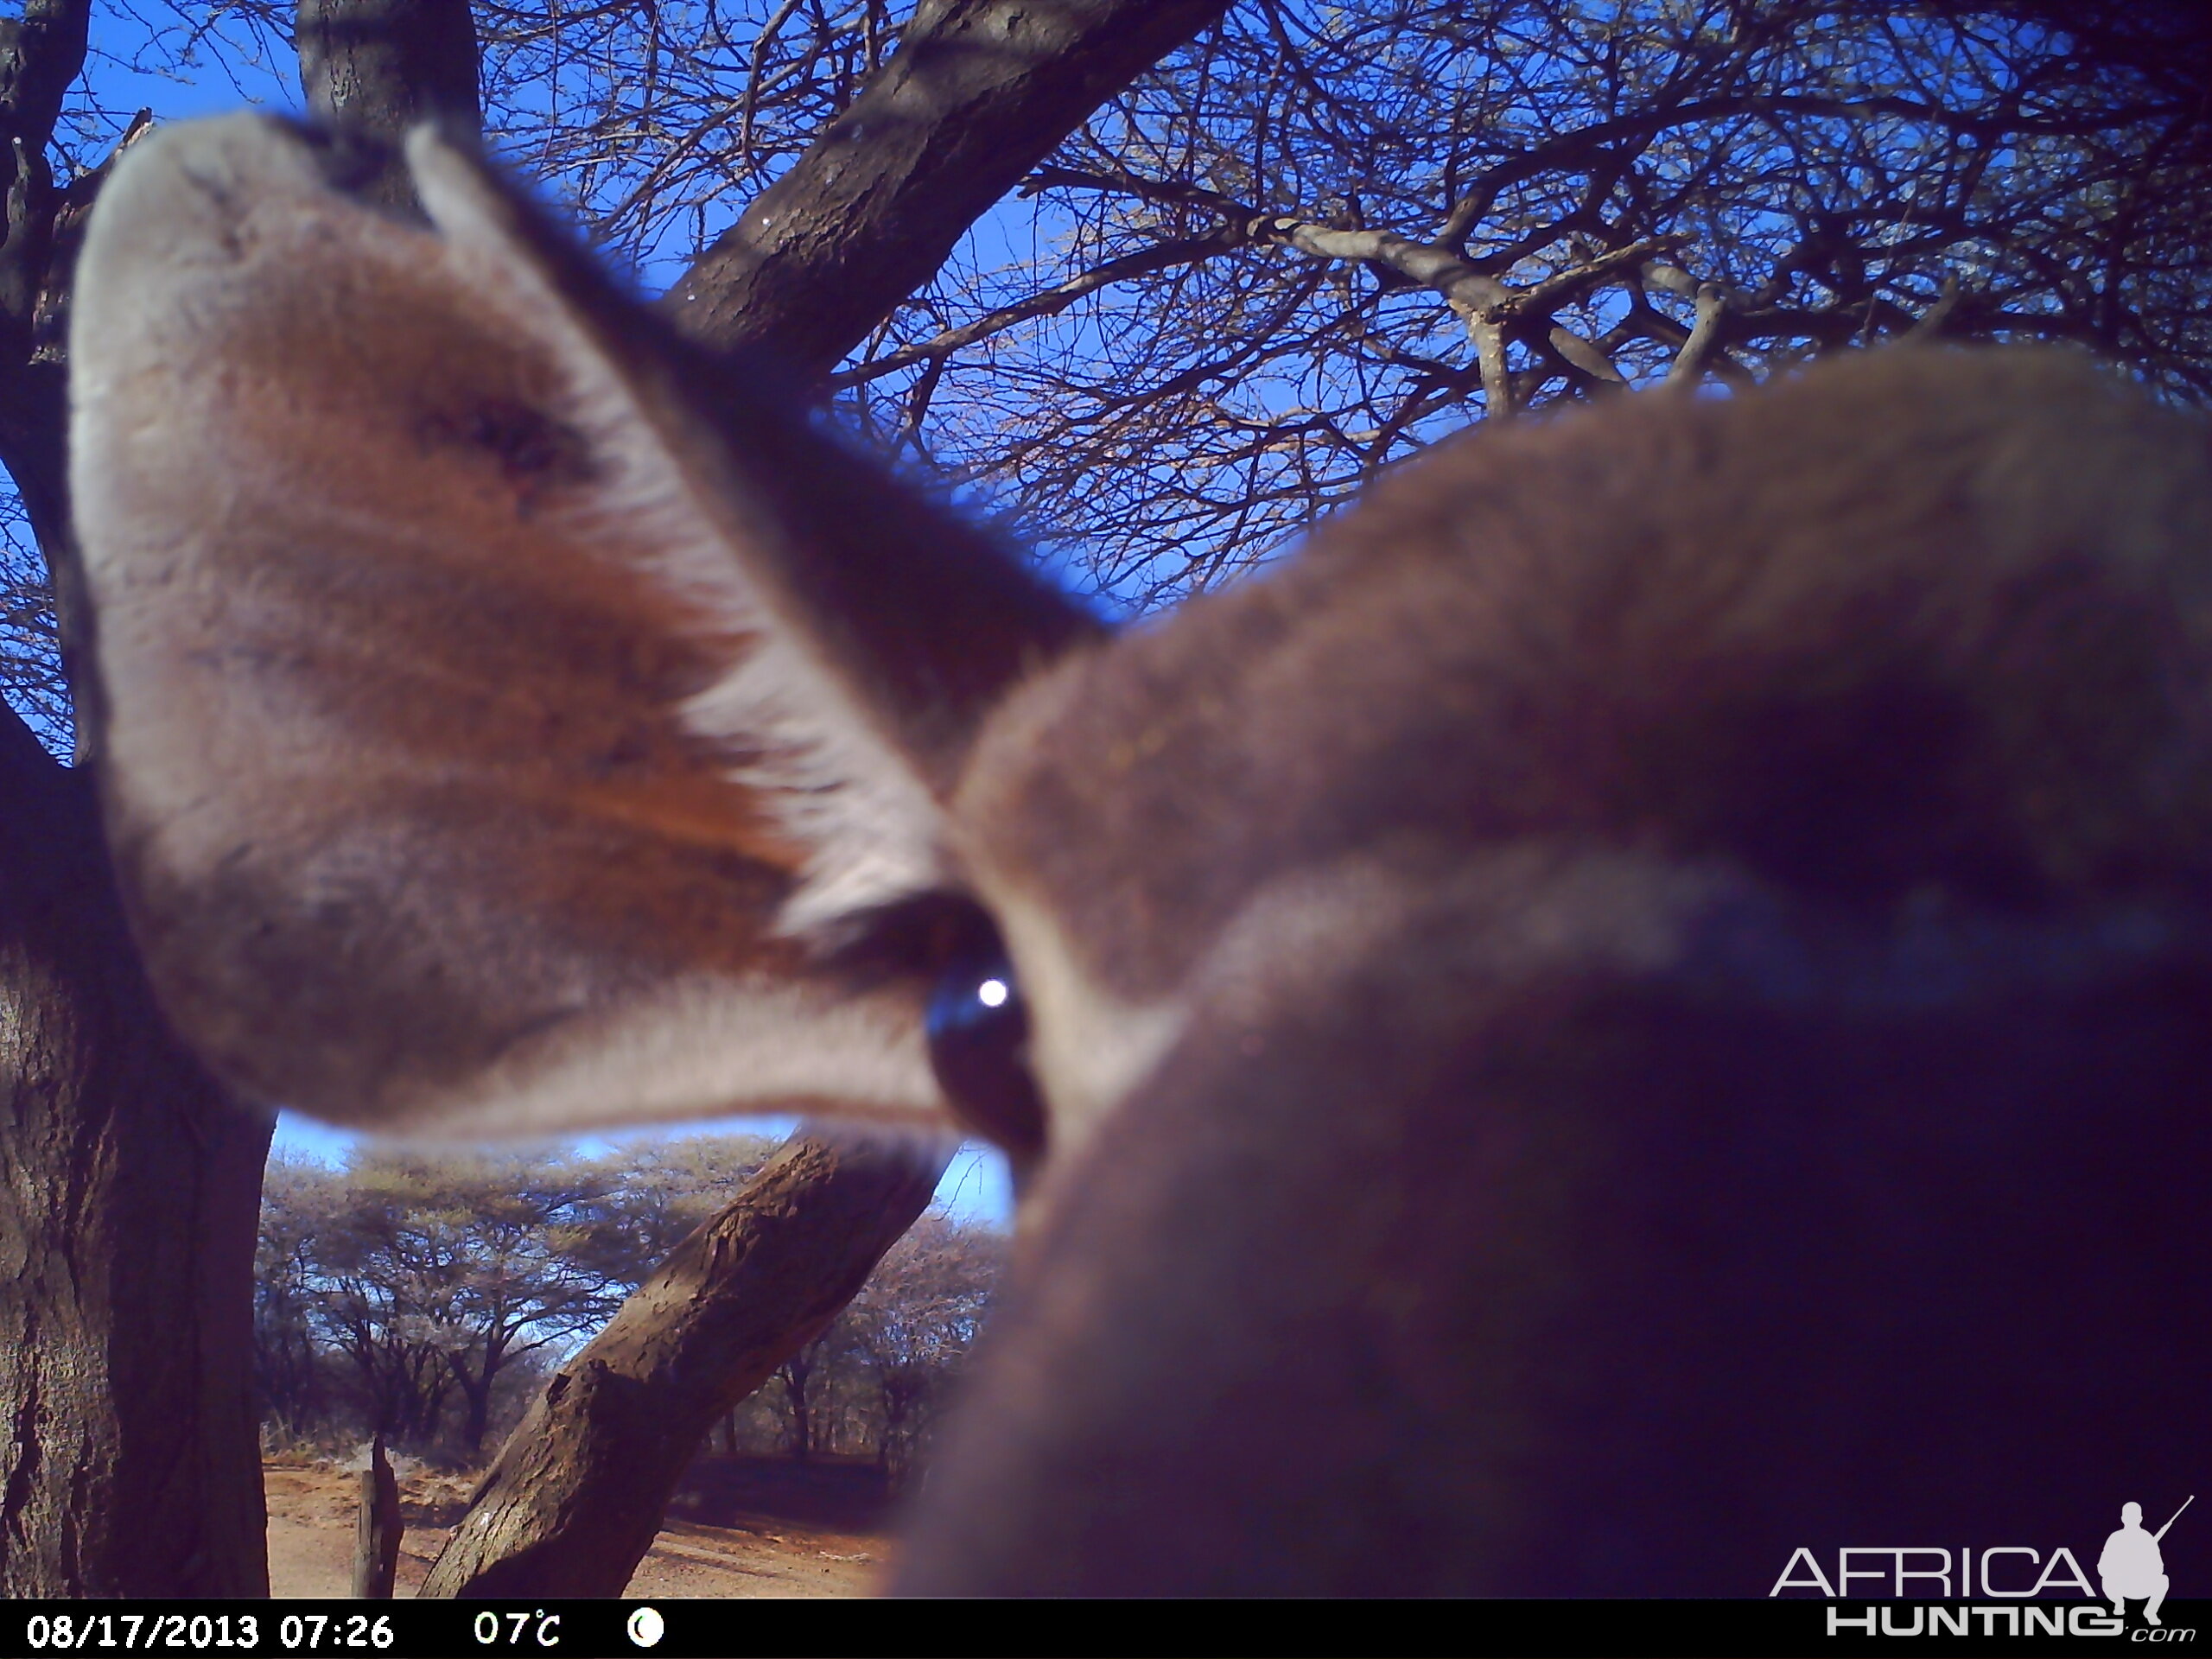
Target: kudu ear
496, 727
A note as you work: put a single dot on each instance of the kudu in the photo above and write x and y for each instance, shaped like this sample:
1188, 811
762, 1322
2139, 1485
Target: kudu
1642, 1003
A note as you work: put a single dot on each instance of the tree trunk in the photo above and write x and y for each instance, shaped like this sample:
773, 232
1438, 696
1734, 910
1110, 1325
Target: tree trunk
476, 1421
576, 1495
476, 1396
381, 67
378, 1528
128, 1194
796, 1373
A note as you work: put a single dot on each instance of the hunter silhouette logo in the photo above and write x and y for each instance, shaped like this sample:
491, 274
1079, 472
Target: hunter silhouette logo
2131, 1567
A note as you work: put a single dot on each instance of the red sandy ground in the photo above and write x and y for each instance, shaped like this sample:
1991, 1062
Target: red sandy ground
741, 1526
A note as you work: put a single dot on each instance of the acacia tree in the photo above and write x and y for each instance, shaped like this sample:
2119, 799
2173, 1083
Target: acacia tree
291, 1381
1323, 238
912, 1325
401, 1284
386, 1290
875, 1377
430, 1277
1347, 231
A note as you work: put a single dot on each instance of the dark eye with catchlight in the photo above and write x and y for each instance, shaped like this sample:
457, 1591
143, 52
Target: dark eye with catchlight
979, 1046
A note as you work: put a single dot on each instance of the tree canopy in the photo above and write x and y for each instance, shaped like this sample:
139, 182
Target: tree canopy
428, 1278
418, 1296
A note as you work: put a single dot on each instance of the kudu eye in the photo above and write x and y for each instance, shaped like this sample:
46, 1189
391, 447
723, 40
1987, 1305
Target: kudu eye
979, 1046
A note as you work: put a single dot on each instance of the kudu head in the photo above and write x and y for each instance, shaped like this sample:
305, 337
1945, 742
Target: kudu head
1644, 1002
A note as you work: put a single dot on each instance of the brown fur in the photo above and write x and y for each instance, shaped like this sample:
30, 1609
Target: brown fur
1925, 617
1729, 1072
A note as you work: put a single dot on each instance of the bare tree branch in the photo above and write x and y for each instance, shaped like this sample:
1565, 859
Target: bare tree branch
979, 90
1048, 302
1690, 362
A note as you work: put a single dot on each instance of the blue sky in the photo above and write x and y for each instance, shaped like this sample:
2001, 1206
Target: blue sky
977, 1188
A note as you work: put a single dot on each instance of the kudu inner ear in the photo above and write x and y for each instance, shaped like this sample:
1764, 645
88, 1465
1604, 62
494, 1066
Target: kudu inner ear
488, 720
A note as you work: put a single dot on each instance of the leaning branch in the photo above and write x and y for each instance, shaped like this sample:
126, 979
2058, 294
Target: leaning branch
574, 1497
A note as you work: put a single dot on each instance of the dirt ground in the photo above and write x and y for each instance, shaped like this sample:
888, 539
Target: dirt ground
740, 1527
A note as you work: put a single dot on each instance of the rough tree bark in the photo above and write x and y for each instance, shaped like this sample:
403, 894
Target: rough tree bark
380, 66
128, 1185
128, 1188
979, 92
575, 1496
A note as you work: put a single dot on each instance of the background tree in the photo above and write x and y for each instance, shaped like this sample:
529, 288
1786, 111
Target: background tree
386, 1289
399, 1293
294, 1383
435, 1277
875, 1378
912, 1325
795, 1378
